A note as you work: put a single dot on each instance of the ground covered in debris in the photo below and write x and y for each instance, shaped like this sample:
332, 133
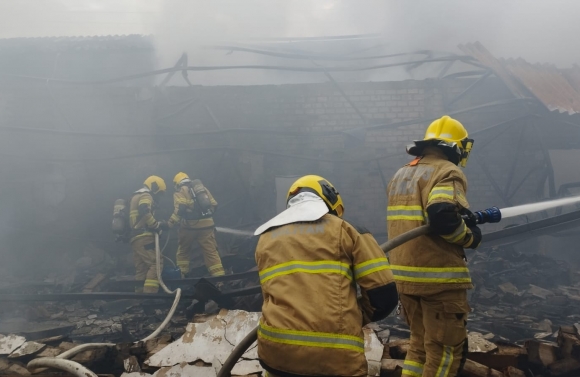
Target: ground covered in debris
525, 321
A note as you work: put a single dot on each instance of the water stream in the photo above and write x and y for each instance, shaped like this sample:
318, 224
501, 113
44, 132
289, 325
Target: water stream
536, 207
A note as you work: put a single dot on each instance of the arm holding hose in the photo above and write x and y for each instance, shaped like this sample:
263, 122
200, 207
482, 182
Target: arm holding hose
445, 202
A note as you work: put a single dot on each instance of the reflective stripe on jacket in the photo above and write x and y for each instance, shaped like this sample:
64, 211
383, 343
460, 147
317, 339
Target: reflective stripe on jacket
310, 313
141, 215
184, 210
432, 263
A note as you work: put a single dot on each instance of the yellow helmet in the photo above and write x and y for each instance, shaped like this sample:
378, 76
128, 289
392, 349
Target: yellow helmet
448, 133
179, 177
155, 184
321, 187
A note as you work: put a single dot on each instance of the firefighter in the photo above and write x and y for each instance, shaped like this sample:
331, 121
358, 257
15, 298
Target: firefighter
310, 262
193, 210
143, 227
431, 271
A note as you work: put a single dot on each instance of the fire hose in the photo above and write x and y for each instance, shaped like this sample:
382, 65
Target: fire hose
61, 361
249, 339
490, 215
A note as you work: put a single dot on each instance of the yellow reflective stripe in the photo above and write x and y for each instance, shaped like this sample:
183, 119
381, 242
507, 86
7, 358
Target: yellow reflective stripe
457, 235
444, 192
396, 208
370, 266
414, 212
311, 338
144, 234
174, 218
446, 361
412, 368
468, 244
150, 221
145, 200
318, 267
216, 270
442, 196
151, 283
402, 217
431, 274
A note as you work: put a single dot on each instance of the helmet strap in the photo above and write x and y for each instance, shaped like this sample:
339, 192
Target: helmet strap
466, 145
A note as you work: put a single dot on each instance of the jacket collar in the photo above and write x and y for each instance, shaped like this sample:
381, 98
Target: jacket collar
305, 206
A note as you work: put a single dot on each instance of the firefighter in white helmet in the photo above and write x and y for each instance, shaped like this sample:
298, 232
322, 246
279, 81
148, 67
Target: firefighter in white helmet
431, 272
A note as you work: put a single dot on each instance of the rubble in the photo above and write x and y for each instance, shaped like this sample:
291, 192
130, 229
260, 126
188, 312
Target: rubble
26, 349
215, 338
526, 317
373, 352
477, 343
503, 359
9, 343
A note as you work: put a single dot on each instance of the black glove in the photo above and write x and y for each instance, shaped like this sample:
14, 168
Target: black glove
162, 225
477, 237
468, 217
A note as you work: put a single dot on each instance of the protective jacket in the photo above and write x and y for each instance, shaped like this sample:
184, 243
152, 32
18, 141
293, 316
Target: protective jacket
431, 190
311, 321
141, 215
187, 212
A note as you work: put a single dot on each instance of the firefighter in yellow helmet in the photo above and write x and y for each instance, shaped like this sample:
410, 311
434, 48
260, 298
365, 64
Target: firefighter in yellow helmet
193, 210
310, 262
431, 271
143, 227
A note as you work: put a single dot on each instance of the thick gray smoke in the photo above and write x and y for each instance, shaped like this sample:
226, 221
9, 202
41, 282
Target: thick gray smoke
537, 30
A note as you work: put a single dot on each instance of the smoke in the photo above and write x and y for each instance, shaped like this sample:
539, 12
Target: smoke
536, 30
192, 26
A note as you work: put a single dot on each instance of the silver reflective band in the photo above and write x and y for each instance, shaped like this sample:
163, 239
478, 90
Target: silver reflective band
292, 267
414, 370
372, 267
432, 275
400, 212
312, 339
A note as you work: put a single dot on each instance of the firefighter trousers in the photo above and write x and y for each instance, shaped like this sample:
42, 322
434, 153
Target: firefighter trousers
205, 239
145, 264
438, 345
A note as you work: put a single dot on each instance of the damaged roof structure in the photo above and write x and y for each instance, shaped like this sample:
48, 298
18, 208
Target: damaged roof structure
246, 143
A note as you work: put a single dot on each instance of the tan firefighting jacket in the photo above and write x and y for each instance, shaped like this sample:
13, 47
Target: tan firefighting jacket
428, 264
311, 322
186, 212
141, 215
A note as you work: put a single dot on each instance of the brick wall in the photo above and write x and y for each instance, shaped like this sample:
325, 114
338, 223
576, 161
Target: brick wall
300, 132
320, 113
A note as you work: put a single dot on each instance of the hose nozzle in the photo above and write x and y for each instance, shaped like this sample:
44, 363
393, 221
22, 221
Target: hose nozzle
489, 215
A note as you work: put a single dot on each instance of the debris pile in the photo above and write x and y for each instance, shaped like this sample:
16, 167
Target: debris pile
535, 358
520, 296
200, 351
209, 339
91, 321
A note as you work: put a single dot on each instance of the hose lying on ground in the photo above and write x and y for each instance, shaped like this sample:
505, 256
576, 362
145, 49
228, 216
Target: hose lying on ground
177, 293
69, 366
72, 367
249, 339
